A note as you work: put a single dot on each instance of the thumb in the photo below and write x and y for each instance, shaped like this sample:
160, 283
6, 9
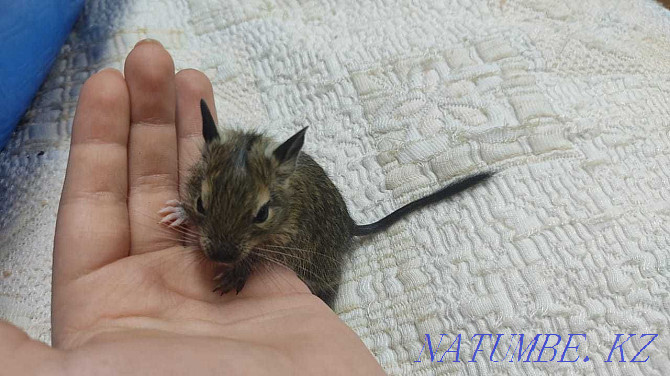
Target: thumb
22, 355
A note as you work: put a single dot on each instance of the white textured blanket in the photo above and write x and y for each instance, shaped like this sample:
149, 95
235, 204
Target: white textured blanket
567, 99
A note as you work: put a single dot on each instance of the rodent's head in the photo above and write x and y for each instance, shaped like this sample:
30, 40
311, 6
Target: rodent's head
237, 194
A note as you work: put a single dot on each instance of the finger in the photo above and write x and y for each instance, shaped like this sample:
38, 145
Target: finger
92, 228
22, 355
152, 147
192, 85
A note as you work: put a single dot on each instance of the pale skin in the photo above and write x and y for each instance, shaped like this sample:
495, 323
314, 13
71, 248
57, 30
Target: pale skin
128, 298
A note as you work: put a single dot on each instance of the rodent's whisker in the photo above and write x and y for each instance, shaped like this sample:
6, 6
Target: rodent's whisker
302, 250
184, 232
295, 257
306, 270
274, 276
274, 261
300, 259
163, 228
166, 234
331, 258
177, 234
196, 259
154, 228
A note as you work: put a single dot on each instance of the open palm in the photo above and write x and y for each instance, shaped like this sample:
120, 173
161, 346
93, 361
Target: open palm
128, 298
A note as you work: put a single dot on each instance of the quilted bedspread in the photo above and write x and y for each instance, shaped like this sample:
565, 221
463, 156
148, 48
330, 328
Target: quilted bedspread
566, 99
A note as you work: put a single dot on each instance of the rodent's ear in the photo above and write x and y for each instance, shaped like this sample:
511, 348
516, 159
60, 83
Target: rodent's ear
209, 131
288, 151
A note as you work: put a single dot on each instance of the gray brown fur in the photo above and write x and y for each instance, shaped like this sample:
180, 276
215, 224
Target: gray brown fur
309, 214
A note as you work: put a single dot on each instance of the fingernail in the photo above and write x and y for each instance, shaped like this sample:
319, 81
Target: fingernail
149, 40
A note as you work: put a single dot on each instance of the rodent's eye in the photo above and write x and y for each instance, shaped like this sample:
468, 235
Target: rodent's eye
201, 209
262, 214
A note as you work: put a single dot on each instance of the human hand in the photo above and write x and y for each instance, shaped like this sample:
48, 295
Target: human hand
128, 298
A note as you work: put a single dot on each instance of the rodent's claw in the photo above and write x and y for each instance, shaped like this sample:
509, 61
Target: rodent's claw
174, 214
229, 281
240, 285
170, 205
219, 288
170, 217
226, 282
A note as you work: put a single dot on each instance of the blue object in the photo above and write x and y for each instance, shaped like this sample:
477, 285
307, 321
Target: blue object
31, 35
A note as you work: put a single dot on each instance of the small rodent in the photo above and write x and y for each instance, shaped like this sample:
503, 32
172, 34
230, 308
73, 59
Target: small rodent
253, 200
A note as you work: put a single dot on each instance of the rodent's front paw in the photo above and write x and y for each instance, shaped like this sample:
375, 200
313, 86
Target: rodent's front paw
229, 280
173, 213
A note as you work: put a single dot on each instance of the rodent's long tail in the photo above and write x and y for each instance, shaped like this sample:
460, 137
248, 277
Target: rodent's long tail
444, 193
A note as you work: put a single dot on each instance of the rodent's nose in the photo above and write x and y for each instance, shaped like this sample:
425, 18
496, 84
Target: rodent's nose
227, 253
223, 257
